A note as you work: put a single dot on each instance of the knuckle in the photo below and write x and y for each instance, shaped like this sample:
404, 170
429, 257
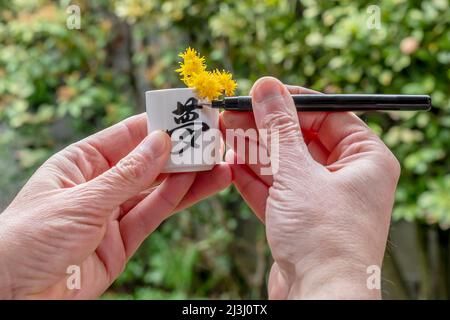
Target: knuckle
283, 125
131, 167
119, 267
394, 166
279, 121
85, 203
165, 198
82, 152
390, 164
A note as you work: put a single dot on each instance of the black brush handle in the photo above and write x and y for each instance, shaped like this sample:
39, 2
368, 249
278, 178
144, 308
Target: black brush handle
339, 102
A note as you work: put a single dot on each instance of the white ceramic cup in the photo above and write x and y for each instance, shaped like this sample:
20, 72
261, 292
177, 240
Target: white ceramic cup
195, 135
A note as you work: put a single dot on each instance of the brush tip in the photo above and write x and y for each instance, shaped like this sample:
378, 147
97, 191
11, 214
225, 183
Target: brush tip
217, 104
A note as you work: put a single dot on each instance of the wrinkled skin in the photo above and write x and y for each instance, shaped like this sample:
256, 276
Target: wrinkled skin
327, 208
92, 205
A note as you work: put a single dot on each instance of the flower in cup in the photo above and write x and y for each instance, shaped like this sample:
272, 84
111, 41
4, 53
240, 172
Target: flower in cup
209, 85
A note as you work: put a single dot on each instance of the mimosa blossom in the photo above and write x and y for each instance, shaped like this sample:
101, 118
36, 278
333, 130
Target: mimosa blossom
209, 85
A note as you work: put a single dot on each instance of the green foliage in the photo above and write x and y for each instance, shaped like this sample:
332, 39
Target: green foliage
58, 85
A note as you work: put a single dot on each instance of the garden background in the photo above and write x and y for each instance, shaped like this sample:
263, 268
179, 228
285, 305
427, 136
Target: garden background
58, 85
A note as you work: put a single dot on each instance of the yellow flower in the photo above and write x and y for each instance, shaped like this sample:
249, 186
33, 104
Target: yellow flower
192, 65
226, 81
207, 85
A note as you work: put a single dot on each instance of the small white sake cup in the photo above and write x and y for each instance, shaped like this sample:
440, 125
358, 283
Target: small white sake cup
194, 129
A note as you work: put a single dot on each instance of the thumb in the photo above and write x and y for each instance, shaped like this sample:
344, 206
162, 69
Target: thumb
131, 175
276, 118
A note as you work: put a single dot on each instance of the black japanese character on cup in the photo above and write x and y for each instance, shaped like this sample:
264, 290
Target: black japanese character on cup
189, 130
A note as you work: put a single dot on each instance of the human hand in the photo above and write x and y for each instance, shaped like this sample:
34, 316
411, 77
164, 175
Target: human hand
92, 205
327, 208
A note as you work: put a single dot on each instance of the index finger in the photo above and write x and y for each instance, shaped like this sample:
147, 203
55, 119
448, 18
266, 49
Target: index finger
331, 127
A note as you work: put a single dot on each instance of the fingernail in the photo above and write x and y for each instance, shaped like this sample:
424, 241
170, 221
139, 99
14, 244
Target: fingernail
266, 88
155, 144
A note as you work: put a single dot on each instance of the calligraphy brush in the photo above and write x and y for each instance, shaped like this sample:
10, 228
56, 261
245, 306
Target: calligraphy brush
337, 102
